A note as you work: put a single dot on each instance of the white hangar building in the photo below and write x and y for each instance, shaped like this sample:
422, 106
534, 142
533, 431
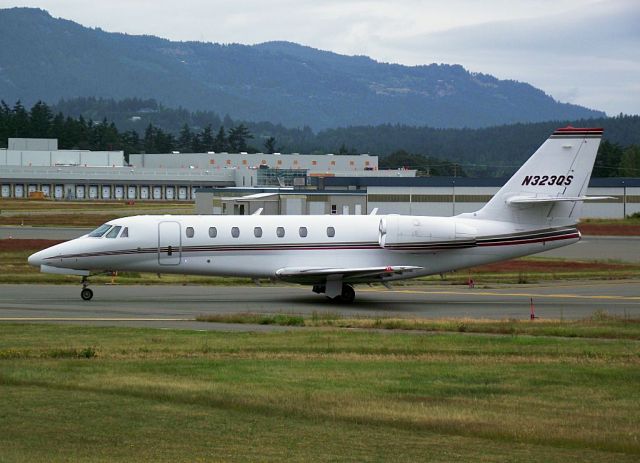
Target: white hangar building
30, 165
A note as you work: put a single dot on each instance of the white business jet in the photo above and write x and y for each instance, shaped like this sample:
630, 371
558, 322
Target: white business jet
535, 211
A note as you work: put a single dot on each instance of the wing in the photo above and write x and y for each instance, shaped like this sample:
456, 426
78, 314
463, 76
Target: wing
312, 275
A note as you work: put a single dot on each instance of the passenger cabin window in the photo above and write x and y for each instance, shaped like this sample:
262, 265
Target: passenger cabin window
303, 232
235, 232
213, 232
331, 232
190, 232
101, 230
114, 232
257, 232
280, 232
125, 233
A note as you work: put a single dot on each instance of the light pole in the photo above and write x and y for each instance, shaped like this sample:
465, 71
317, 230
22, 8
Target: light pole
454, 197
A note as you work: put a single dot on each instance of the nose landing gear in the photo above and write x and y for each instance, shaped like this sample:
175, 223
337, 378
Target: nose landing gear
86, 294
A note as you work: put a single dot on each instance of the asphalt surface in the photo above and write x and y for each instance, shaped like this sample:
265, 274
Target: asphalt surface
42, 233
177, 306
623, 248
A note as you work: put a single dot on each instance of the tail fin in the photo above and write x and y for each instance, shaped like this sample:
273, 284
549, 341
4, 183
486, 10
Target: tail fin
550, 187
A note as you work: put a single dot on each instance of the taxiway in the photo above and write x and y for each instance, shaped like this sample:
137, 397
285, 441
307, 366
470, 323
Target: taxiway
177, 306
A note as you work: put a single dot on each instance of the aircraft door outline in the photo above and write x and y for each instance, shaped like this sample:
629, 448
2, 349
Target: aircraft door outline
169, 243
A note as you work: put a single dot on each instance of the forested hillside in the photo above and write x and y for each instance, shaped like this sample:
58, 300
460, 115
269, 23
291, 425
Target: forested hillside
144, 125
46, 58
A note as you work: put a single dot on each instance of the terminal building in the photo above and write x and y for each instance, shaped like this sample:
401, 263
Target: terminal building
242, 183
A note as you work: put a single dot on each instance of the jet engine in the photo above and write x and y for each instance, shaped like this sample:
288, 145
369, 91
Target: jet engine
398, 230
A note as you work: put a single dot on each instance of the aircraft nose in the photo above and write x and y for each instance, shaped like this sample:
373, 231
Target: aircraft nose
36, 259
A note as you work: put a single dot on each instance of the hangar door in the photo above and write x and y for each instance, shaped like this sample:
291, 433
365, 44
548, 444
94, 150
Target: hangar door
169, 245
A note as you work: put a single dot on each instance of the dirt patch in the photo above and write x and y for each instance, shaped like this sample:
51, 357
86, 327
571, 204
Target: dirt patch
609, 229
26, 245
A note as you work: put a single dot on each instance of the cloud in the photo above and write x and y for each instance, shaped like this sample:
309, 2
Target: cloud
588, 56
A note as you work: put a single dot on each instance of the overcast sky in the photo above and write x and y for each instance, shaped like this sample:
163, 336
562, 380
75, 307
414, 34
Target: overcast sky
580, 51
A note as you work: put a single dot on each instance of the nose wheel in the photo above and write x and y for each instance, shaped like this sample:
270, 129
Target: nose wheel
86, 294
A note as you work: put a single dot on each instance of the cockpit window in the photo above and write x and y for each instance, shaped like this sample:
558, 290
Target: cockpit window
125, 233
101, 230
113, 232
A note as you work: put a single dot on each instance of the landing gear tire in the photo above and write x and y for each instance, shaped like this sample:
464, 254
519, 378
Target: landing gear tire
86, 294
348, 294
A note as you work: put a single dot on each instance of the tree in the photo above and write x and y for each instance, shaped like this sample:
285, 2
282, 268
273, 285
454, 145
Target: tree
40, 118
220, 143
206, 138
347, 151
608, 160
425, 165
630, 162
270, 145
185, 139
19, 124
238, 137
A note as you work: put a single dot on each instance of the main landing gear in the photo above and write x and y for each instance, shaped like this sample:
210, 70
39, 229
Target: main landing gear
86, 294
344, 293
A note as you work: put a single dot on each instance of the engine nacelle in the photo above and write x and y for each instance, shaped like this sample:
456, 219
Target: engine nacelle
406, 230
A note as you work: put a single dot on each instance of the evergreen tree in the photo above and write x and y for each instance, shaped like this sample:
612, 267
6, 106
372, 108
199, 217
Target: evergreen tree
270, 145
630, 162
206, 138
19, 123
608, 160
238, 137
220, 143
149, 141
347, 151
40, 118
185, 139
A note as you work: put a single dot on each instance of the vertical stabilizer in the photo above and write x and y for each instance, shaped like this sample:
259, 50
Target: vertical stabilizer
551, 186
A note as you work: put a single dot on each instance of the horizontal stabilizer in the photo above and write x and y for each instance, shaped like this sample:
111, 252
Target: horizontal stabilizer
314, 274
553, 199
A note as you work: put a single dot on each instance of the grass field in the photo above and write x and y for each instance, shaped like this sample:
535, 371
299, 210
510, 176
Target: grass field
114, 394
81, 213
599, 325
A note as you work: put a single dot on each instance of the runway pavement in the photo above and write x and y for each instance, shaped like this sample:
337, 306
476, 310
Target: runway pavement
177, 306
42, 233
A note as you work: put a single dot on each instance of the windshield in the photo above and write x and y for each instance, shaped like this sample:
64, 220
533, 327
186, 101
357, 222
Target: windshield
113, 232
101, 230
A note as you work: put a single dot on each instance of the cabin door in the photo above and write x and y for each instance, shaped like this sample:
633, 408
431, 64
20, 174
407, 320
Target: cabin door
169, 243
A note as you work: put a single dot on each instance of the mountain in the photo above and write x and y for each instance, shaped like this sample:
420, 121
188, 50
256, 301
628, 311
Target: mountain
44, 58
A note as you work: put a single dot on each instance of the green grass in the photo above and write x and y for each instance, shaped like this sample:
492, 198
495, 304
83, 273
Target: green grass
598, 325
313, 395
